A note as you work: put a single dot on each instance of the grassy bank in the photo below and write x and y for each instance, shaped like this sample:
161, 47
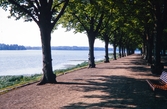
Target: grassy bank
11, 82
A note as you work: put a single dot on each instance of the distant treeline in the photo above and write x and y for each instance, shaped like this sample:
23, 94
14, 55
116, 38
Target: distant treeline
11, 47
21, 47
67, 48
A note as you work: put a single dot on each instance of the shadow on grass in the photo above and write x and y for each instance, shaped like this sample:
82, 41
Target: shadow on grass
120, 92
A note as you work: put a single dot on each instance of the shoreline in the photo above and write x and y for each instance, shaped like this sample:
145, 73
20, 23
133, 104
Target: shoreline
30, 62
58, 72
22, 83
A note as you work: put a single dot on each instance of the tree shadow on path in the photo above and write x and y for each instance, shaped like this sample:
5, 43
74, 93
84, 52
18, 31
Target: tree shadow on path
121, 93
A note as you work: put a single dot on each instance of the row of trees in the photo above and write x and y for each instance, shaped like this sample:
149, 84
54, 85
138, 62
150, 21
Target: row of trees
127, 24
11, 47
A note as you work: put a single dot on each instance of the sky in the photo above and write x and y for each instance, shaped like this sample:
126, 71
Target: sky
27, 34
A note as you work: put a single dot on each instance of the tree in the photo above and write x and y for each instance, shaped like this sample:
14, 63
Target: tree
122, 27
106, 27
154, 23
46, 14
155, 12
159, 9
85, 16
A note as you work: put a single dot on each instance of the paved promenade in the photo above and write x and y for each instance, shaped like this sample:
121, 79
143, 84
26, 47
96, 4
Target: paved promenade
119, 84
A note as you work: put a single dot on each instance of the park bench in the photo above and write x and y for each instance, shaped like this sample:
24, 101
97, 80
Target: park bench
161, 83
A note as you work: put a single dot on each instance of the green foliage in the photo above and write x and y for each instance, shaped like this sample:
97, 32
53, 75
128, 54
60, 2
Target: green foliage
83, 16
8, 81
35, 10
130, 16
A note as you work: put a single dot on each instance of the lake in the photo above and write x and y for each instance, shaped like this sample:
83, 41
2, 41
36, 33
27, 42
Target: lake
27, 62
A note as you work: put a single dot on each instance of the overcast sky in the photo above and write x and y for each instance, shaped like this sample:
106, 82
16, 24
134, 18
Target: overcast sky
27, 34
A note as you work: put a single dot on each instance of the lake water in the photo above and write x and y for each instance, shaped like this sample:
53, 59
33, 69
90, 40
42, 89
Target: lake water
26, 62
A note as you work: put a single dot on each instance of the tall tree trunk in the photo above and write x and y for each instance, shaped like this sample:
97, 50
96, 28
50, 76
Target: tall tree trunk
120, 46
122, 51
48, 75
106, 39
128, 50
157, 66
144, 47
150, 44
119, 51
114, 52
125, 52
160, 15
91, 39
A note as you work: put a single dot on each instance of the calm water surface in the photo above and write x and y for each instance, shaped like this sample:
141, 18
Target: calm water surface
30, 61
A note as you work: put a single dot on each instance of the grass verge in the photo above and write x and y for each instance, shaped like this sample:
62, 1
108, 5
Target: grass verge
8, 83
11, 82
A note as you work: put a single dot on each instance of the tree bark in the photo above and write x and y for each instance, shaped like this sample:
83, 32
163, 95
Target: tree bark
128, 50
150, 44
159, 26
120, 46
144, 46
120, 52
106, 39
114, 51
157, 66
48, 75
91, 59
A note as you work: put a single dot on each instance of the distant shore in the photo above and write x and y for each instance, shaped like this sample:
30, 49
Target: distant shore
67, 48
21, 47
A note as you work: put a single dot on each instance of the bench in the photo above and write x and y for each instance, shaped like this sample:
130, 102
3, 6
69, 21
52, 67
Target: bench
161, 83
